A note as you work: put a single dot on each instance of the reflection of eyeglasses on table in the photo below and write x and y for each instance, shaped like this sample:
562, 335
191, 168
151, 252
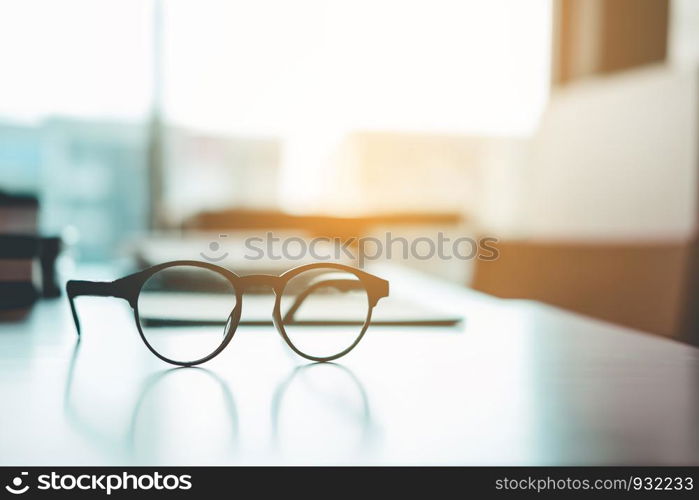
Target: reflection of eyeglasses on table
188, 311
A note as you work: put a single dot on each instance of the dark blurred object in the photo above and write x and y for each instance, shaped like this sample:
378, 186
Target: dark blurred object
19, 252
316, 225
18, 213
27, 261
19, 286
21, 258
49, 251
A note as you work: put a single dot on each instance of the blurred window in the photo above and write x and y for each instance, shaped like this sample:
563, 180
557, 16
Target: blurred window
256, 96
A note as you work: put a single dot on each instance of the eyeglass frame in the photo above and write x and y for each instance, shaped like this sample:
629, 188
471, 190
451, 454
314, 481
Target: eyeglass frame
129, 288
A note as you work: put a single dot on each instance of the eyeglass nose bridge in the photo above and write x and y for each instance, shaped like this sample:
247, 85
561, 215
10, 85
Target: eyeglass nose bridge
259, 280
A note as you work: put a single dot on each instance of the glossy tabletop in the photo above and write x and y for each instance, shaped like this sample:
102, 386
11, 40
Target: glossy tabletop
517, 383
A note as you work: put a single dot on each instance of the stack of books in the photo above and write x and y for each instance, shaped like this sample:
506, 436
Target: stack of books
20, 252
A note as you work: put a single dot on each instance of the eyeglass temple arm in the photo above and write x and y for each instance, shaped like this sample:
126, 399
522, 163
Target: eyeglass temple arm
342, 285
76, 288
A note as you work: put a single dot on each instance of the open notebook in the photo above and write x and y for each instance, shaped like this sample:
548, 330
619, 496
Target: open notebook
204, 309
257, 308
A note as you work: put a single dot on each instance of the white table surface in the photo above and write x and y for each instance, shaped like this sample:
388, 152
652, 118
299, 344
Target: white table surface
518, 383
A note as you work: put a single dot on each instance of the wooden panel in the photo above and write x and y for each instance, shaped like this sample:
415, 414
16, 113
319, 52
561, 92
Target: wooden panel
634, 33
643, 286
603, 36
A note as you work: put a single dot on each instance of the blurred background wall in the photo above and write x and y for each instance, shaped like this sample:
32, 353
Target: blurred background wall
605, 222
565, 128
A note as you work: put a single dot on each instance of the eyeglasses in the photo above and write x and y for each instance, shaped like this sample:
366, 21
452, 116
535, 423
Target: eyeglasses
187, 311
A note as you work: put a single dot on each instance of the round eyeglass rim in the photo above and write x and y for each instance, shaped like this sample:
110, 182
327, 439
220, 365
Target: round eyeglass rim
278, 284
